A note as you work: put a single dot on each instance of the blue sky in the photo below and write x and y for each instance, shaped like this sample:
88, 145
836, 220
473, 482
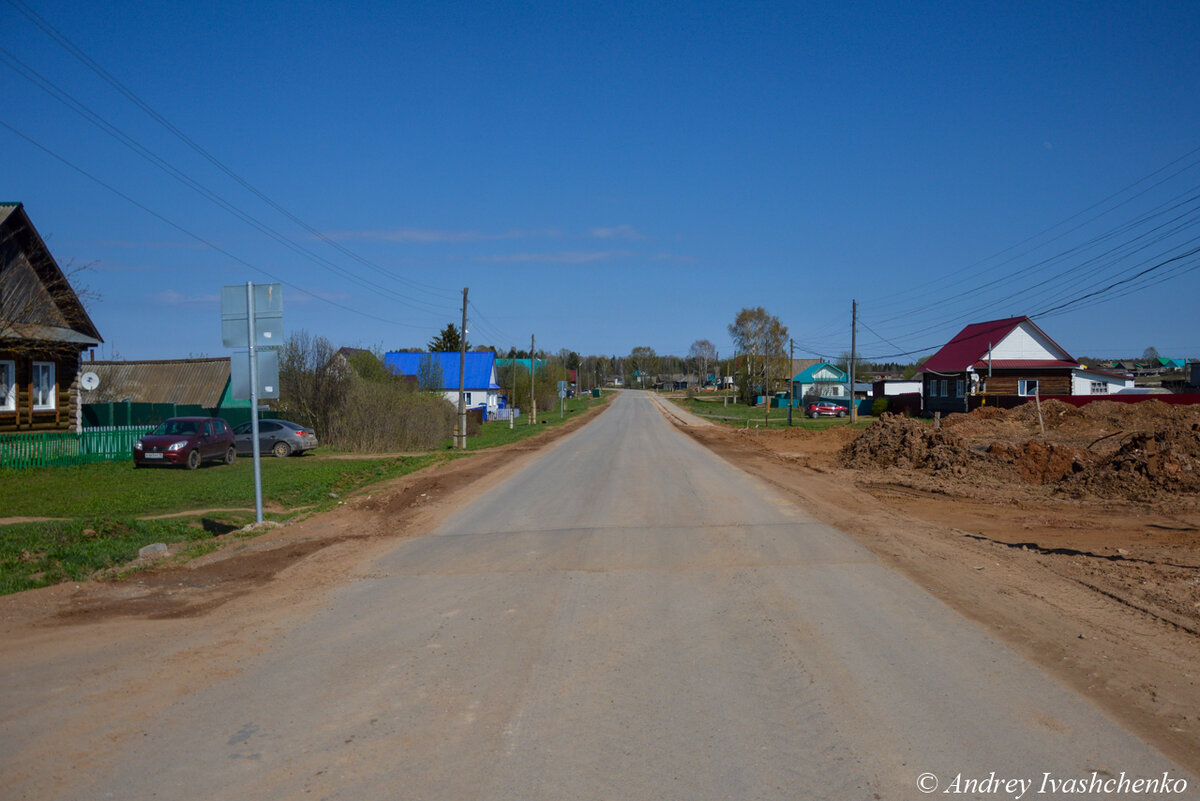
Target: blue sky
609, 175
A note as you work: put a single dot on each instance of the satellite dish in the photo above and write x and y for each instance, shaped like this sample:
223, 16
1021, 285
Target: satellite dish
89, 381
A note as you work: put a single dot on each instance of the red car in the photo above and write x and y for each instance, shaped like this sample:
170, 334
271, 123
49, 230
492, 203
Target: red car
826, 408
186, 441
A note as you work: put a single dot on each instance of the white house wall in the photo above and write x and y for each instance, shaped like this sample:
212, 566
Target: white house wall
1081, 383
479, 398
1025, 343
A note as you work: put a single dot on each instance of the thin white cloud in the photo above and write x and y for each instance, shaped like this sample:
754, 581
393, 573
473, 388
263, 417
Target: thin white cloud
436, 236
169, 297
560, 257
124, 243
626, 232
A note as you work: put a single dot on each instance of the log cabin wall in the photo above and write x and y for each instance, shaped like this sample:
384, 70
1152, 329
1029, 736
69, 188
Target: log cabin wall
61, 416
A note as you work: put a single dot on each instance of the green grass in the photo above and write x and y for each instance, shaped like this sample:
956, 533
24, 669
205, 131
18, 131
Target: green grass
492, 435
115, 489
101, 504
738, 415
39, 554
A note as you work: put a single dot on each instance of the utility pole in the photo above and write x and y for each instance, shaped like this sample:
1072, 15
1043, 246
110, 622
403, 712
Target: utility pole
791, 383
462, 378
532, 396
853, 345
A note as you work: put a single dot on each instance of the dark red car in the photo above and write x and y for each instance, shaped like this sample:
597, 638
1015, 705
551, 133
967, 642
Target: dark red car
827, 408
186, 441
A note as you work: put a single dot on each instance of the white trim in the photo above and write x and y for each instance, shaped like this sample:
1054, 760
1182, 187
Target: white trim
48, 401
8, 386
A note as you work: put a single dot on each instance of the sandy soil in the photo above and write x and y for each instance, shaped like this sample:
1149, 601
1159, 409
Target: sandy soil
1080, 547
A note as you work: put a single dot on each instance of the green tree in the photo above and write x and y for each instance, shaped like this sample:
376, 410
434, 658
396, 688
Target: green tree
448, 341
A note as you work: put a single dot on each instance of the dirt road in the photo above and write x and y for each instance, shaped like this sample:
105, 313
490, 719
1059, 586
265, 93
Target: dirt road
621, 616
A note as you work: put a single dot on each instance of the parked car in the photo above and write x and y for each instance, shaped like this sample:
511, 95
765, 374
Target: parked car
186, 441
827, 408
279, 437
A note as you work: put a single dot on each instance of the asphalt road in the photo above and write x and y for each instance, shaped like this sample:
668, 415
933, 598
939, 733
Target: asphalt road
630, 618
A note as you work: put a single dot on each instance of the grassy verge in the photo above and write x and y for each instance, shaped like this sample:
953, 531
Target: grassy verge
738, 415
492, 435
101, 505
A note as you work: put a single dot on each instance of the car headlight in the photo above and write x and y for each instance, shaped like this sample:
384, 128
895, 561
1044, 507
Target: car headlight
175, 446
137, 446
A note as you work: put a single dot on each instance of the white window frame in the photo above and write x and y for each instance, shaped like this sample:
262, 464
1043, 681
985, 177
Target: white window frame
467, 399
958, 388
1027, 387
1099, 387
945, 387
8, 386
933, 387
44, 402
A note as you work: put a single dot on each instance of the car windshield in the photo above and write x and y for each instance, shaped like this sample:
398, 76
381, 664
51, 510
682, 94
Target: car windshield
177, 427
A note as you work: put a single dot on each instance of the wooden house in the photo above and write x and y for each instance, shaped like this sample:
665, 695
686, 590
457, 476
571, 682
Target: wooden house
44, 329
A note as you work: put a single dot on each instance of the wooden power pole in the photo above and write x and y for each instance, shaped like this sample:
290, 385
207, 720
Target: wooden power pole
462, 373
853, 345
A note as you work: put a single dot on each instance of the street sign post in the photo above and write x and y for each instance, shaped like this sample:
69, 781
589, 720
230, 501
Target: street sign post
252, 317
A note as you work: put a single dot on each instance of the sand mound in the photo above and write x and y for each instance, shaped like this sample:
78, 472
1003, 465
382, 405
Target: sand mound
895, 441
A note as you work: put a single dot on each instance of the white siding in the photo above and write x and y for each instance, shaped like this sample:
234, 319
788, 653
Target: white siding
1025, 343
1082, 380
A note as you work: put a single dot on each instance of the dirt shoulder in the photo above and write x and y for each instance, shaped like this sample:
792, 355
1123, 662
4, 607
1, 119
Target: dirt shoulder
244, 563
1086, 563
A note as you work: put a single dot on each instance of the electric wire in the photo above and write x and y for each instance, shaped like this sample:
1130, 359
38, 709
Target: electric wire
196, 236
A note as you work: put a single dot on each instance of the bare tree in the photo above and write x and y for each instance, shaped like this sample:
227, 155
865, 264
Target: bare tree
761, 337
313, 381
703, 352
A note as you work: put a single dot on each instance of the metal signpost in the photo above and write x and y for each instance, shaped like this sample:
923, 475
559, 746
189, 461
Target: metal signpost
252, 317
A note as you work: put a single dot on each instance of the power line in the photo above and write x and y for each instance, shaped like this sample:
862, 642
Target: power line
195, 236
63, 41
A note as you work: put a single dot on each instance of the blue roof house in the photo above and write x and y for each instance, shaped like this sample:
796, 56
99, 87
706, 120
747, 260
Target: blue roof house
822, 379
482, 391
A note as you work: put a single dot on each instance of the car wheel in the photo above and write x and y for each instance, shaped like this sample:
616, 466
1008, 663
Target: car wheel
842, 413
193, 460
230, 455
281, 449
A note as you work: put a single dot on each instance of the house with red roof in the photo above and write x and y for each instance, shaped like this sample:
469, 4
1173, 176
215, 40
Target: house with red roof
1009, 357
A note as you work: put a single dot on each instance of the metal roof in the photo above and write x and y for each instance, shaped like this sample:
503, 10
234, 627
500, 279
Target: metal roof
969, 347
479, 373
187, 381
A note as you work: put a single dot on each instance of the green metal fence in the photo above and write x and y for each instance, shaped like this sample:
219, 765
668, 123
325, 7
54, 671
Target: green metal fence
60, 448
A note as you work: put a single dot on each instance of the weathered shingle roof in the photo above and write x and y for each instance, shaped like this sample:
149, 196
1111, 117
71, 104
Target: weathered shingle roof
186, 381
46, 303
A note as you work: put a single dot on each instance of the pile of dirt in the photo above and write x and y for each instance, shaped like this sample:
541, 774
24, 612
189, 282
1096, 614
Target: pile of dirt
1107, 450
1039, 462
1147, 464
895, 441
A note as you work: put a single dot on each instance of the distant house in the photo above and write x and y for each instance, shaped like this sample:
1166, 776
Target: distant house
1009, 357
821, 379
44, 329
148, 392
482, 391
889, 387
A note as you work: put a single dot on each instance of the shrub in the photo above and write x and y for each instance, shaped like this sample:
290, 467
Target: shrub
387, 416
879, 406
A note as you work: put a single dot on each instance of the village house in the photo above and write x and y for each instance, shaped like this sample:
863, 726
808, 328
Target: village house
438, 372
44, 330
1010, 358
